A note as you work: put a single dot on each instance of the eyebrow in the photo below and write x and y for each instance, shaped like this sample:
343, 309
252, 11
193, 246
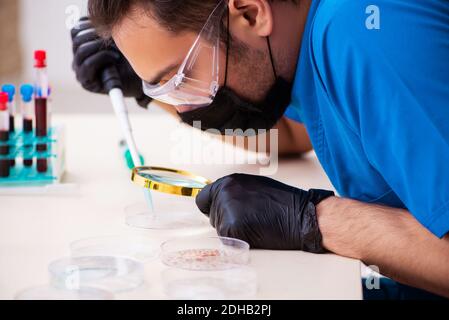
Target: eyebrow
161, 74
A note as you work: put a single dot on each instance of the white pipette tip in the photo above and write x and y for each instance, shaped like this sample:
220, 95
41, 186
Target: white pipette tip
149, 200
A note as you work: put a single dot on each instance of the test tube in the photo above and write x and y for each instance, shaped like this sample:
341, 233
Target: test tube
41, 107
11, 91
26, 91
5, 164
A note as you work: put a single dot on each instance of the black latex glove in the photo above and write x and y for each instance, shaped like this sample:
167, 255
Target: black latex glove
92, 55
263, 212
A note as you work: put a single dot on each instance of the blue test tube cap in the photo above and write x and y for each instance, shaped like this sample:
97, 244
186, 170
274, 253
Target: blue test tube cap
10, 90
27, 90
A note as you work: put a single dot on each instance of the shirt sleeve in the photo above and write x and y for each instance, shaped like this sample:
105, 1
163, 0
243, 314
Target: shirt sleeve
293, 113
391, 86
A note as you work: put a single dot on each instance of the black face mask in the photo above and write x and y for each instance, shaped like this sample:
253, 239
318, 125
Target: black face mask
230, 112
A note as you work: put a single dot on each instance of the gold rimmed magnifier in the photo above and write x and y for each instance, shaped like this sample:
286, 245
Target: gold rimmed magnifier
171, 181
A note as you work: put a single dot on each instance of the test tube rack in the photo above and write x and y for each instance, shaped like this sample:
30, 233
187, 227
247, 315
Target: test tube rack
23, 146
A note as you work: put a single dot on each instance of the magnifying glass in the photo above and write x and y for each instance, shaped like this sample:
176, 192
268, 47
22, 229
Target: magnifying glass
171, 181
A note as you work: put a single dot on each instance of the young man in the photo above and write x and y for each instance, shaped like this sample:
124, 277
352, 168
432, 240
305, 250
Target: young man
371, 86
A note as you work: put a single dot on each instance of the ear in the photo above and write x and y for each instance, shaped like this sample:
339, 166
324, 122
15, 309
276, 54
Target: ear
251, 18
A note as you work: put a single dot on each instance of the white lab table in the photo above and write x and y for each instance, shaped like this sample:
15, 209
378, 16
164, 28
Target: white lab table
35, 230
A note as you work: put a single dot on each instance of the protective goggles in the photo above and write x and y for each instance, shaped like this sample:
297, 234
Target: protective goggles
197, 81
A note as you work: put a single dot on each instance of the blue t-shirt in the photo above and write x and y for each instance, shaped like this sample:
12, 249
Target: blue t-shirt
372, 88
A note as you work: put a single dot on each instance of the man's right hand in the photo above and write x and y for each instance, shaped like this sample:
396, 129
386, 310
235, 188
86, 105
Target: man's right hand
92, 55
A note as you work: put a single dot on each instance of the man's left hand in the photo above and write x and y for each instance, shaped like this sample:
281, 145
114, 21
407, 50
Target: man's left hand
263, 212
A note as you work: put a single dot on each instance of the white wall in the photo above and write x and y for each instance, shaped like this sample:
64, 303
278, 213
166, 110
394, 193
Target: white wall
43, 26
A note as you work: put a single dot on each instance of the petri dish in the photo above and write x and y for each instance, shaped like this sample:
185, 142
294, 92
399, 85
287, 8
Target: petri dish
236, 284
171, 217
52, 293
113, 274
205, 253
139, 248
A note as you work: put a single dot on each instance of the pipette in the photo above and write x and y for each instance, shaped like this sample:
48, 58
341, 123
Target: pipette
113, 85
111, 80
11, 91
5, 164
127, 154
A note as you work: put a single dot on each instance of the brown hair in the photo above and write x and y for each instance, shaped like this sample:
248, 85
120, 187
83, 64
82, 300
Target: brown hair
174, 15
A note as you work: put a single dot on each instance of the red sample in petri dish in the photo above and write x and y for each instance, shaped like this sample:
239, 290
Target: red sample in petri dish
205, 253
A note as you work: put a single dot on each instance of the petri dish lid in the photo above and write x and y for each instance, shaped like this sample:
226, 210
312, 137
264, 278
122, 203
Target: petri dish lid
205, 253
113, 274
139, 216
139, 248
236, 283
52, 293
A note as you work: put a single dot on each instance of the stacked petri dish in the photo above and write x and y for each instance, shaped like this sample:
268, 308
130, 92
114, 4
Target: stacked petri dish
97, 269
208, 268
107, 273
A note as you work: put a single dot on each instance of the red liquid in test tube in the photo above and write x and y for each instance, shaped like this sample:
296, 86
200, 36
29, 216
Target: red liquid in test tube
28, 128
41, 131
27, 108
5, 164
41, 106
11, 91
